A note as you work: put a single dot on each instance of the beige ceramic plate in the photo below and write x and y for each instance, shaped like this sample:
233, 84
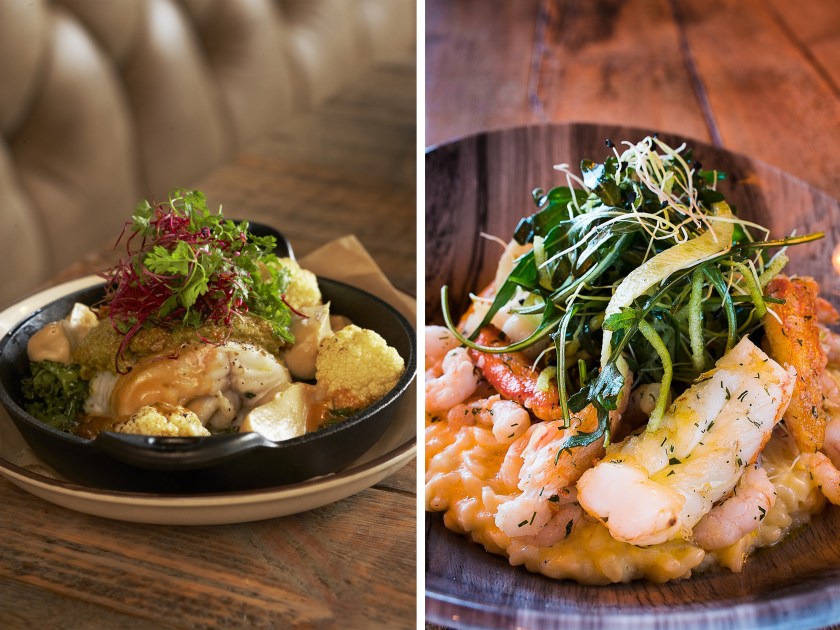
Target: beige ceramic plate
483, 184
17, 463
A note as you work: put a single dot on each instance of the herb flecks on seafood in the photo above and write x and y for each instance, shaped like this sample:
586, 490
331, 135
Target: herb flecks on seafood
637, 266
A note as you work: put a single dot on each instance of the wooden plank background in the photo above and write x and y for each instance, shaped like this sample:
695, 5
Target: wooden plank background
753, 76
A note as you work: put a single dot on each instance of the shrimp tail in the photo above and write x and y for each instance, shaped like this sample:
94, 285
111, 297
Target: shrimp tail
514, 377
739, 514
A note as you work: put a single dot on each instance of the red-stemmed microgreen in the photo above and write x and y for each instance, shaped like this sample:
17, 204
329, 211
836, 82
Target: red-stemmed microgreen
186, 266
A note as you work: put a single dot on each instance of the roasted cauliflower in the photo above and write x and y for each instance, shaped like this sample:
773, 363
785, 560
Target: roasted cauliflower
302, 289
356, 367
163, 420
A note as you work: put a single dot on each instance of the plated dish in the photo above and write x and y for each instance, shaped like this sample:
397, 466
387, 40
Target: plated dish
487, 187
20, 465
204, 363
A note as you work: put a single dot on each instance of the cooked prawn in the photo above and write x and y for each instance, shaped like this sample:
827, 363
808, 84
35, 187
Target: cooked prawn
831, 393
512, 375
825, 473
830, 344
826, 313
655, 486
439, 340
793, 336
546, 471
563, 519
831, 404
457, 382
823, 465
200, 374
738, 515
507, 419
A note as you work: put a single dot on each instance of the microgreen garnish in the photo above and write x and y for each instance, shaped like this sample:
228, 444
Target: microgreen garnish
186, 266
639, 265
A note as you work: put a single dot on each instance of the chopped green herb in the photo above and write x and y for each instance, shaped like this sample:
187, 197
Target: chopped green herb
55, 394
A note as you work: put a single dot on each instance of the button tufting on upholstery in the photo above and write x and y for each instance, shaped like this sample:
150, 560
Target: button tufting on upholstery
180, 120
24, 45
115, 26
103, 103
76, 153
244, 43
23, 248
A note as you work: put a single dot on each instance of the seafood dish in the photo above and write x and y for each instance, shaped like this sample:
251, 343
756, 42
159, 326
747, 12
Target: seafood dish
642, 391
203, 330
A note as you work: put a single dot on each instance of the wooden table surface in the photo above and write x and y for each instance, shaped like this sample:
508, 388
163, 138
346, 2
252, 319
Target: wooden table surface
758, 77
347, 168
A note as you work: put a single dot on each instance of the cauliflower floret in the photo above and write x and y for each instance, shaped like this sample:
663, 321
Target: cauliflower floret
303, 285
164, 420
356, 367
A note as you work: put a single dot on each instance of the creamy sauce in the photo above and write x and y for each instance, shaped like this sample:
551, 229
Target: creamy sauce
318, 415
91, 426
98, 350
50, 344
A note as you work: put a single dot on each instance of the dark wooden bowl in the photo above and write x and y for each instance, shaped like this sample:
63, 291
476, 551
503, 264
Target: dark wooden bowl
483, 183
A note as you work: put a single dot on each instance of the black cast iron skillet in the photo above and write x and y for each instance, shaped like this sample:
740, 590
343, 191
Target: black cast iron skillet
240, 461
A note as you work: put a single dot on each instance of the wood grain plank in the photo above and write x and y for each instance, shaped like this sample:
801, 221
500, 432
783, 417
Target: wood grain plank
276, 573
23, 606
769, 101
815, 27
478, 65
618, 62
347, 167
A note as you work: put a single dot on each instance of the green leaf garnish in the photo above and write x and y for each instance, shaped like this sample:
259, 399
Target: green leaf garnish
669, 319
187, 266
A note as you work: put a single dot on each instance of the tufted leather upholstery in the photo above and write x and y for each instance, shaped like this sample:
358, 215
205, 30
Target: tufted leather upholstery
106, 102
